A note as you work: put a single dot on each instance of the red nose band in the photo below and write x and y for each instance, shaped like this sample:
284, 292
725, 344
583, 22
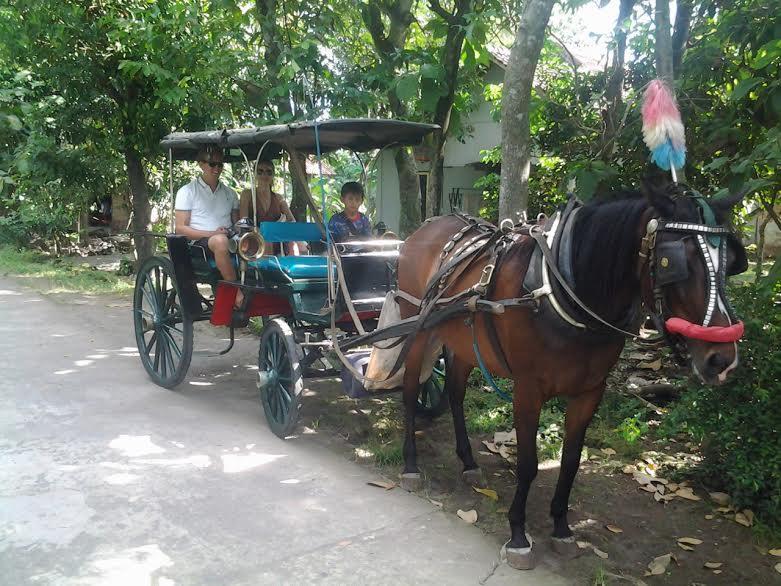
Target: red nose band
733, 333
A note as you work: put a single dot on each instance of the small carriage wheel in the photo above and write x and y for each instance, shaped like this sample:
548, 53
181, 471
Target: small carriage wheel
433, 400
164, 332
279, 377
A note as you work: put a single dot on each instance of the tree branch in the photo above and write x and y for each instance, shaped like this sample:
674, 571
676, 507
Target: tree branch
681, 33
437, 9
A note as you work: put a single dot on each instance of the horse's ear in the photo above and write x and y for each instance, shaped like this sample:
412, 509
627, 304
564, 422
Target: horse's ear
723, 206
659, 198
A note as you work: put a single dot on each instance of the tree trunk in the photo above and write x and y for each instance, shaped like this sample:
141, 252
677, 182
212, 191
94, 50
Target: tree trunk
388, 45
664, 42
120, 211
142, 211
409, 192
761, 226
298, 200
516, 98
451, 61
614, 90
436, 176
683, 16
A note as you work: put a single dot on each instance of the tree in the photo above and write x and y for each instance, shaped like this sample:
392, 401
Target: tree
389, 45
516, 99
130, 73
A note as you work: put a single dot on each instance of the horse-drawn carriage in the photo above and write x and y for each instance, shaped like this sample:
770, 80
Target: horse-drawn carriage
548, 305
307, 303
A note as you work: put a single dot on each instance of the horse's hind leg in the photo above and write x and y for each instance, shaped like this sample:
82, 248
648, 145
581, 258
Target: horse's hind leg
580, 410
527, 404
410, 478
455, 383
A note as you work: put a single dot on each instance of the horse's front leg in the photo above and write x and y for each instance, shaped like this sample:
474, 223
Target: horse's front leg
527, 404
410, 477
580, 410
456, 376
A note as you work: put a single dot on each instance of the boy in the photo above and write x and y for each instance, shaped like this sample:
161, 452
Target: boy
350, 224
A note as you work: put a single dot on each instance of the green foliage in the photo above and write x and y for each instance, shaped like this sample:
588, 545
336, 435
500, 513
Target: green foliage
738, 424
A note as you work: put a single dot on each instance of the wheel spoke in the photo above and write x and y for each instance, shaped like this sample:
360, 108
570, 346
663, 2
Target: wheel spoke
284, 394
172, 342
163, 348
148, 346
149, 295
156, 365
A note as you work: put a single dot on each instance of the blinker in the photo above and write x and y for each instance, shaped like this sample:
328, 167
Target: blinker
671, 265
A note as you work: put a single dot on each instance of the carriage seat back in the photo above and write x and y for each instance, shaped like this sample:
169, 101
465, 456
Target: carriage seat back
290, 231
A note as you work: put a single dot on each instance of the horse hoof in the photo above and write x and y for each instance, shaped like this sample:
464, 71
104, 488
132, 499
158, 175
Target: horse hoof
520, 558
565, 546
411, 481
475, 477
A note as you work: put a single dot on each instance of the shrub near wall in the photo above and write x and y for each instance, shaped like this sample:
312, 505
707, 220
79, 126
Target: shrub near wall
738, 425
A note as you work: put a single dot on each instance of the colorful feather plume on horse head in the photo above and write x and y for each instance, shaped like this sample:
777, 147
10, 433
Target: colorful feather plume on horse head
662, 127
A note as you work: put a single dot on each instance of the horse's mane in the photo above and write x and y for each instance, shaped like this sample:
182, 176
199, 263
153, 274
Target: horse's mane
606, 244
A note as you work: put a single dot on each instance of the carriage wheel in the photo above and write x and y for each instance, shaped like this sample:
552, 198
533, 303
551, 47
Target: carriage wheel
279, 377
433, 400
164, 333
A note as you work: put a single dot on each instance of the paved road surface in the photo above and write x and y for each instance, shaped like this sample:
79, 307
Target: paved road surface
107, 479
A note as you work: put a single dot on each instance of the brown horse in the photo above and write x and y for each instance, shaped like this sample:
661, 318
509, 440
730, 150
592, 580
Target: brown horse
547, 357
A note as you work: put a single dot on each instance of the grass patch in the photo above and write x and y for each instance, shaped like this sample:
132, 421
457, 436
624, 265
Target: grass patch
484, 410
383, 453
59, 275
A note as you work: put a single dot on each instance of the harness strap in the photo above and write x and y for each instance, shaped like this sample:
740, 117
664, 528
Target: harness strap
486, 374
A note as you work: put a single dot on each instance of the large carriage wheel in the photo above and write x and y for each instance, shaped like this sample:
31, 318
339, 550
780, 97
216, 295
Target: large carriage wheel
279, 377
164, 333
433, 400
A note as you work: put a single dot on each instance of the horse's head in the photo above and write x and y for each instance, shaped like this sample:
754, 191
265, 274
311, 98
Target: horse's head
687, 254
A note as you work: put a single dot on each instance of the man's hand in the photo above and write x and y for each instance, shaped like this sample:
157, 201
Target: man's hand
221, 230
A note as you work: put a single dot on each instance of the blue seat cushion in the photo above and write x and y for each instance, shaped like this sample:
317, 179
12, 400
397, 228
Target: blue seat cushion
295, 267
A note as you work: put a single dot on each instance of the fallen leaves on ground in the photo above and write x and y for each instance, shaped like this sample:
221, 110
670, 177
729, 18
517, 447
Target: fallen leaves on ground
588, 545
720, 498
386, 484
687, 493
713, 565
468, 516
505, 437
778, 567
491, 446
490, 493
435, 503
659, 565
745, 518
775, 552
651, 365
690, 540
608, 451
614, 529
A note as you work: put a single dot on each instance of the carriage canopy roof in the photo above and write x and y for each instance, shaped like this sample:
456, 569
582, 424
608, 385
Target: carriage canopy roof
357, 134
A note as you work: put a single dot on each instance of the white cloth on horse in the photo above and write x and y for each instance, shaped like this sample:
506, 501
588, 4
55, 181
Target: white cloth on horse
383, 358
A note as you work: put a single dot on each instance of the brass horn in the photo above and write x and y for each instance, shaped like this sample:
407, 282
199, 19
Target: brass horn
250, 246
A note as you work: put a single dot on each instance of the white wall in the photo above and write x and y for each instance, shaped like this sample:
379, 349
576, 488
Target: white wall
485, 134
387, 203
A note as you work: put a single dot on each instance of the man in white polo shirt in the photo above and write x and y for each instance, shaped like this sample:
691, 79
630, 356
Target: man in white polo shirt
206, 208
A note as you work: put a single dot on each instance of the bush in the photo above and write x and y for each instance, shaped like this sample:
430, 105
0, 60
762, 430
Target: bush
739, 425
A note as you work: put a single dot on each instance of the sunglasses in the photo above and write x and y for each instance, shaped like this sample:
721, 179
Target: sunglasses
268, 172
214, 164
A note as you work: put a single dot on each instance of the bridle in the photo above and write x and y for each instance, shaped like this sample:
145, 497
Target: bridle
667, 264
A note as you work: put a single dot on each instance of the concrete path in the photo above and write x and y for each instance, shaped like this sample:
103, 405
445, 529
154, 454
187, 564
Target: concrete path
106, 478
